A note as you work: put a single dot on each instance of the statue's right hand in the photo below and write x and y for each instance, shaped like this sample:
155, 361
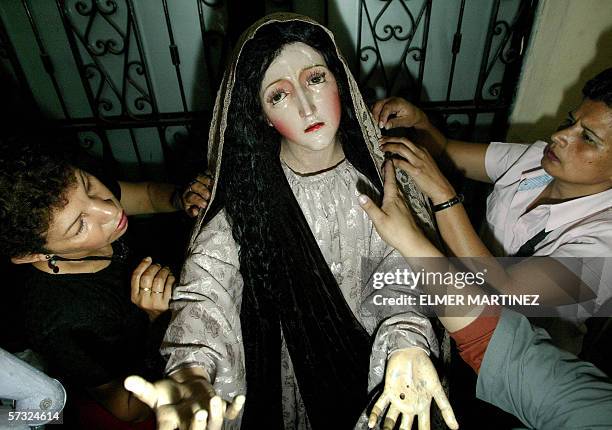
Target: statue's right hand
188, 405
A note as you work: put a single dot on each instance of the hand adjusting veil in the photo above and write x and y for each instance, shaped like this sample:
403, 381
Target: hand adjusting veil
287, 282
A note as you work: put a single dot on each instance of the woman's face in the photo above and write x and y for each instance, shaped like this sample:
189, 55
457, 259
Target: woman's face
581, 151
300, 99
92, 219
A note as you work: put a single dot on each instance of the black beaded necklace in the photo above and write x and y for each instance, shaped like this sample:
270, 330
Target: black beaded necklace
120, 253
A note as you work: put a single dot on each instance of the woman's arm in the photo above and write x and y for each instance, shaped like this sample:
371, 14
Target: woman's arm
468, 157
545, 276
153, 197
148, 197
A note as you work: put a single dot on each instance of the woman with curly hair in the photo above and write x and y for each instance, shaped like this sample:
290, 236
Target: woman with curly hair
88, 312
270, 299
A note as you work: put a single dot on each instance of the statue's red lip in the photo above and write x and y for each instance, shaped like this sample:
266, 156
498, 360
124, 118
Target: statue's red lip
314, 127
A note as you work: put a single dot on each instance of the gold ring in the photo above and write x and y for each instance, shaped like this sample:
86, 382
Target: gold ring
157, 292
145, 289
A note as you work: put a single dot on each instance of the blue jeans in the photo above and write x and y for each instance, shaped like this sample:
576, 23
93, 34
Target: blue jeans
31, 389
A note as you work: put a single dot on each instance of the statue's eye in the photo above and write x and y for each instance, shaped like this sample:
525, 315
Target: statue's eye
277, 96
316, 77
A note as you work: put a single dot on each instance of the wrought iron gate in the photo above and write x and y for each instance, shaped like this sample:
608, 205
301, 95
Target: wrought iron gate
105, 71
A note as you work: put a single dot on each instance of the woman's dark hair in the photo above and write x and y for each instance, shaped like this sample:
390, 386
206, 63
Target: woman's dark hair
251, 149
599, 88
33, 184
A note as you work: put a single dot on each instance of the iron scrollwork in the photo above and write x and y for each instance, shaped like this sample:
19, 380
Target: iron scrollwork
506, 52
383, 32
109, 97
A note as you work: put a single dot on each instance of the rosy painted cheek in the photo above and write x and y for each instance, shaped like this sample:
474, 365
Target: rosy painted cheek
284, 128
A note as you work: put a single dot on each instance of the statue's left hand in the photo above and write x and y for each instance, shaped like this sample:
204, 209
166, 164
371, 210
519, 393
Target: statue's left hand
411, 381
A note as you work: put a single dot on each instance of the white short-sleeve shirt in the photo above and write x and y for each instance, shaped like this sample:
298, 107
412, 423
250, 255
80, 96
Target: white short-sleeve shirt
577, 228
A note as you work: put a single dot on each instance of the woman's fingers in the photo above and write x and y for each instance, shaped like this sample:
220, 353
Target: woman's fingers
197, 194
136, 275
193, 198
159, 280
377, 108
390, 185
206, 179
168, 289
147, 278
406, 115
403, 147
370, 208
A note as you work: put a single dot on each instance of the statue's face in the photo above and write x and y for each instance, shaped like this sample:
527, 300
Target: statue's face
299, 97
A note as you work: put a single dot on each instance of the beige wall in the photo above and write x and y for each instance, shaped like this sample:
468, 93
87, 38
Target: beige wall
571, 41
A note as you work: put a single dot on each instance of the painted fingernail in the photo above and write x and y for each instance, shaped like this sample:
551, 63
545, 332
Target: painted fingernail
363, 199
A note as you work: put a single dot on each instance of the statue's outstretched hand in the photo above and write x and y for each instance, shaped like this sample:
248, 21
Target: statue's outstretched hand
188, 405
411, 381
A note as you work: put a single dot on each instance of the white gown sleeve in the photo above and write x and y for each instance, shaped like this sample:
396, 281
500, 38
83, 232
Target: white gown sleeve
205, 327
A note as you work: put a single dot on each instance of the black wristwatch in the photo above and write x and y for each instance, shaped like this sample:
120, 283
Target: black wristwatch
447, 204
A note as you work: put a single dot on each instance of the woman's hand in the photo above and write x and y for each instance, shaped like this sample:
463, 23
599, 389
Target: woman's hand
419, 164
402, 113
152, 287
411, 381
189, 405
393, 220
196, 195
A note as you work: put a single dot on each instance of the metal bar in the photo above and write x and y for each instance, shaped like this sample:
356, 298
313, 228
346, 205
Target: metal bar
11, 55
485, 55
45, 58
107, 152
174, 55
126, 65
471, 123
157, 121
424, 48
357, 68
326, 13
521, 33
125, 121
96, 65
377, 50
455, 50
152, 99
408, 49
136, 150
77, 57
207, 59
